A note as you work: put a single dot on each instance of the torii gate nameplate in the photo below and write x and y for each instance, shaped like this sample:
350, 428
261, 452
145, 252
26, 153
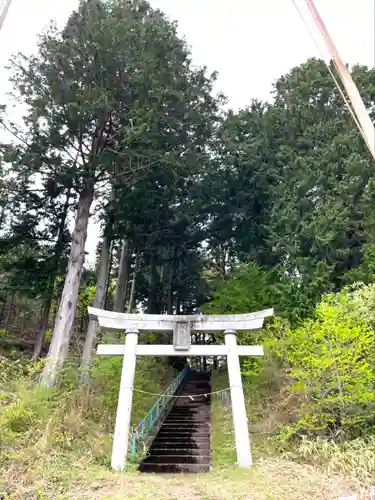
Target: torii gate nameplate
181, 336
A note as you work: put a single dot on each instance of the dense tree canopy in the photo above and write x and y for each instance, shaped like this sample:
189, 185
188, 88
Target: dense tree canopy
197, 206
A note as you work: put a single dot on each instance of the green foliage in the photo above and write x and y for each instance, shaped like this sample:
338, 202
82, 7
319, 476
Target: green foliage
9, 370
85, 298
366, 271
332, 359
353, 458
106, 373
251, 288
322, 210
13, 369
281, 193
329, 360
365, 299
224, 451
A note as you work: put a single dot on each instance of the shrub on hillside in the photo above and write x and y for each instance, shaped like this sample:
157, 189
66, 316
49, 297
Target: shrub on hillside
331, 360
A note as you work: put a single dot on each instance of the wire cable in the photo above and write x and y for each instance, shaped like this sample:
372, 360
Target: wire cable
191, 396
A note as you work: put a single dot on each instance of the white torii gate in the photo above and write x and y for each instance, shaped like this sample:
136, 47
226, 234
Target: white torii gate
181, 327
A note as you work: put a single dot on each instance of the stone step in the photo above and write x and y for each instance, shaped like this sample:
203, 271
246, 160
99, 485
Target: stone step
163, 445
190, 416
182, 416
199, 415
190, 390
185, 425
189, 413
177, 459
186, 431
192, 403
191, 442
178, 451
173, 468
183, 434
190, 409
186, 436
188, 441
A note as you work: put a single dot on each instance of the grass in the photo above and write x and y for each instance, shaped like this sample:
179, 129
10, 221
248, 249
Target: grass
57, 445
49, 438
314, 469
274, 479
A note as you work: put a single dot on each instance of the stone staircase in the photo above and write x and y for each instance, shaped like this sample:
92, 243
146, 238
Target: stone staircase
183, 442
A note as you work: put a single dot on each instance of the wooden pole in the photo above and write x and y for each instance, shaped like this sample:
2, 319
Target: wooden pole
363, 117
4, 12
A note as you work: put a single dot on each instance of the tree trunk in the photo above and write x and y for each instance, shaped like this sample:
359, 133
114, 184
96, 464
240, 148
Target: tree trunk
43, 326
204, 357
170, 283
2, 211
223, 262
99, 299
179, 292
59, 347
122, 279
109, 276
177, 284
81, 324
9, 315
3, 306
151, 286
178, 304
101, 287
132, 292
54, 313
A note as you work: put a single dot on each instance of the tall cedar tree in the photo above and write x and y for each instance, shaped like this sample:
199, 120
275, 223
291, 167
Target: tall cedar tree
110, 96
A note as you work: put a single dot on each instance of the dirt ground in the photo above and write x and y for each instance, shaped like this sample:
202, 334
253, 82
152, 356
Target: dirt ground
270, 480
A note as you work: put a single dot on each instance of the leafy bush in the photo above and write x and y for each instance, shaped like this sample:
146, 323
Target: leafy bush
10, 370
331, 360
365, 272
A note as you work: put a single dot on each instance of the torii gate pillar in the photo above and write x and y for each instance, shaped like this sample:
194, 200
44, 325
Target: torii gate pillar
125, 401
240, 423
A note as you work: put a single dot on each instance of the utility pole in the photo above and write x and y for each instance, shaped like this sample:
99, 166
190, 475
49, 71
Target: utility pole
365, 123
4, 8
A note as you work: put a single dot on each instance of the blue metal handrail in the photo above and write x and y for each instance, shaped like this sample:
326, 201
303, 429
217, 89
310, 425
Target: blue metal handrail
149, 426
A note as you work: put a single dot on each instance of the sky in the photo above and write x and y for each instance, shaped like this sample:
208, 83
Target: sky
250, 43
